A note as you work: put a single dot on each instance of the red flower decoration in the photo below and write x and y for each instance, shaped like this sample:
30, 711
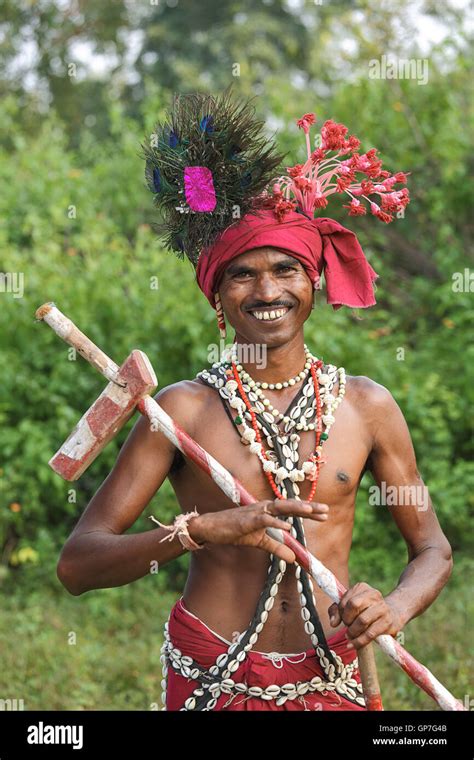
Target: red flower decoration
320, 200
356, 208
377, 211
318, 155
295, 171
333, 135
306, 121
308, 186
400, 177
367, 187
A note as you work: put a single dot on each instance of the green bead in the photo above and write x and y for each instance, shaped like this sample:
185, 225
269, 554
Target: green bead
238, 420
324, 436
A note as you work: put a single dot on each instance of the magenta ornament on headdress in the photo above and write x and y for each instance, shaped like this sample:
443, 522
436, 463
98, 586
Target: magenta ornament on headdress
199, 188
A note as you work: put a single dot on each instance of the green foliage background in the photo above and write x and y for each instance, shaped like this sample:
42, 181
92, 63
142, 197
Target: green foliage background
75, 220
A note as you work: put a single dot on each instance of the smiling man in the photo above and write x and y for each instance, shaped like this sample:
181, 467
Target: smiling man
250, 632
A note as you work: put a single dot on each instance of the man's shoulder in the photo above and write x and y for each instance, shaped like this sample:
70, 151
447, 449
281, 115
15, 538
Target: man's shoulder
373, 402
185, 400
368, 392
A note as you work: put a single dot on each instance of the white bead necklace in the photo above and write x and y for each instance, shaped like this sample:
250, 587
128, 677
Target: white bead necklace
290, 444
298, 419
245, 377
263, 404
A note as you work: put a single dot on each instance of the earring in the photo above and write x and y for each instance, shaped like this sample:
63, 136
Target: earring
220, 316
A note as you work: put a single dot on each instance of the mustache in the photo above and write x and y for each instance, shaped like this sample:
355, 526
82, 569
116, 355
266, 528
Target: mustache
277, 305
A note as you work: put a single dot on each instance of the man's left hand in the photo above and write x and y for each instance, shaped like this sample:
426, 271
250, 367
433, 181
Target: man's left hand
366, 613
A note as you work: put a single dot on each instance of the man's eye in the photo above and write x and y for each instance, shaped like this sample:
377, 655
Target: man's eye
247, 273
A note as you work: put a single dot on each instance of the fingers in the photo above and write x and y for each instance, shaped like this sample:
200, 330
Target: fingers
266, 520
374, 621
365, 620
334, 615
310, 509
357, 599
364, 611
376, 629
279, 550
260, 519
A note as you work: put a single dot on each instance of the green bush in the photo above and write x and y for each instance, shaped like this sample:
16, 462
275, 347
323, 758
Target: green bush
76, 223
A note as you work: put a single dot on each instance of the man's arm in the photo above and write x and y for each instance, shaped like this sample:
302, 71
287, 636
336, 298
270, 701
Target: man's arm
96, 554
393, 464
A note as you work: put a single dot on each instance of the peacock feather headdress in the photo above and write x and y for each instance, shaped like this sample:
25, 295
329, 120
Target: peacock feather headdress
207, 165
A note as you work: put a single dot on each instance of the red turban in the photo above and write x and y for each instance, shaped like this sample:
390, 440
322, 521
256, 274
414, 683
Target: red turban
317, 243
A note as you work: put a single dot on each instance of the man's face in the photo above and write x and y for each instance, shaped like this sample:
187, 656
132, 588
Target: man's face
266, 295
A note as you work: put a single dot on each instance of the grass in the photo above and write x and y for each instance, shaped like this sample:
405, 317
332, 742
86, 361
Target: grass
100, 651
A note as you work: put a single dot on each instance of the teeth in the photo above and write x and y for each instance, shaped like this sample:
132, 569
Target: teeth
274, 314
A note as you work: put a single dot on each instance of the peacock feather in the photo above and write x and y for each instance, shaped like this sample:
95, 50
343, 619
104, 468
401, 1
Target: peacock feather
210, 152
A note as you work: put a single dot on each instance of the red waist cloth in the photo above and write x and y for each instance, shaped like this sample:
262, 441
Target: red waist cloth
194, 639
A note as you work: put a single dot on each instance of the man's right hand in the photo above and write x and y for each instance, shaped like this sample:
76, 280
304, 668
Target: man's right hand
246, 526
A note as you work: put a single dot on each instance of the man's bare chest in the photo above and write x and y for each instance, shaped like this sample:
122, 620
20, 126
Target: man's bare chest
344, 457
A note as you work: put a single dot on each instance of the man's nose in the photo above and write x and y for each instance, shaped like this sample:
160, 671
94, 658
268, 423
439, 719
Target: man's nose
267, 288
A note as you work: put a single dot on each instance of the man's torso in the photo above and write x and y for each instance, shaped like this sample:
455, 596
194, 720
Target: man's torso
225, 582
